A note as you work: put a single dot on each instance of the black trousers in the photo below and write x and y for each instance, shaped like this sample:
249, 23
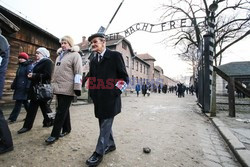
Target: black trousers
31, 114
62, 119
5, 135
17, 108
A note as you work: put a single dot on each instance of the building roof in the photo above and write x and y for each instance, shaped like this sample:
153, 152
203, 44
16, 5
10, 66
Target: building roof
158, 68
146, 56
137, 58
171, 79
9, 26
7, 13
236, 69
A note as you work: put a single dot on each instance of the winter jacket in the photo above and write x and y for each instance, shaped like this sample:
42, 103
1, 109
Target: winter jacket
67, 75
4, 56
21, 83
42, 72
137, 88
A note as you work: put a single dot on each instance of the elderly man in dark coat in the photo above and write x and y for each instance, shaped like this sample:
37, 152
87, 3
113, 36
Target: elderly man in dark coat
108, 78
6, 143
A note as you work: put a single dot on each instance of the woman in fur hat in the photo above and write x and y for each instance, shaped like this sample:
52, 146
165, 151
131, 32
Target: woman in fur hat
65, 86
41, 72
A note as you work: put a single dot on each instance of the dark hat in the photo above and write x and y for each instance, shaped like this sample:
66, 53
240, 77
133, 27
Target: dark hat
96, 35
23, 55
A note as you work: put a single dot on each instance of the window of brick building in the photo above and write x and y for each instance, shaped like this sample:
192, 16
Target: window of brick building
124, 45
127, 61
133, 80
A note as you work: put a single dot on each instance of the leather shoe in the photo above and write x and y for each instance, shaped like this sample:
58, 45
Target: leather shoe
63, 134
5, 149
109, 149
95, 159
51, 140
23, 130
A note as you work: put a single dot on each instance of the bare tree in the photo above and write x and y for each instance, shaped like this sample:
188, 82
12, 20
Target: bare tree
232, 23
190, 56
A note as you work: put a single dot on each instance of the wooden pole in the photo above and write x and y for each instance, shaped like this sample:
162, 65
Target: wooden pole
231, 97
213, 96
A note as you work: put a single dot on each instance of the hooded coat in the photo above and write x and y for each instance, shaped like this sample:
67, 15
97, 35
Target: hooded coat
67, 69
103, 76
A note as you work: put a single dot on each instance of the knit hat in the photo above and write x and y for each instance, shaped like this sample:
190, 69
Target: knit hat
23, 55
68, 39
44, 52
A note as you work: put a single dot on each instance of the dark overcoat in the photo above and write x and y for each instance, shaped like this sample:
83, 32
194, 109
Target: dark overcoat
42, 72
103, 76
144, 88
4, 54
21, 83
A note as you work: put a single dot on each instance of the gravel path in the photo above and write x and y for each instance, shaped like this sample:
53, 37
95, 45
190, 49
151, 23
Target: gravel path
175, 130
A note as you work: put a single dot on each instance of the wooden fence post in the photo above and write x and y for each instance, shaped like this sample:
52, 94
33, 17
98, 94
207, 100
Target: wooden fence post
231, 97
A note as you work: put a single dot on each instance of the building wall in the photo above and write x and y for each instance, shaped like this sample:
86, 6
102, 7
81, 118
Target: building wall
140, 72
27, 39
169, 81
157, 78
151, 69
123, 48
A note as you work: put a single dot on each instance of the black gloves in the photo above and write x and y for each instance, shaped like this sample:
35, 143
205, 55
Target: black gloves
77, 92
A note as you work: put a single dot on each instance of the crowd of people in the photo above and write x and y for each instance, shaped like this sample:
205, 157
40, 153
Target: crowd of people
65, 77
179, 89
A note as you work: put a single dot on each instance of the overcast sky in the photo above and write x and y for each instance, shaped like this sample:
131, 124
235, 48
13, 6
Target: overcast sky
79, 18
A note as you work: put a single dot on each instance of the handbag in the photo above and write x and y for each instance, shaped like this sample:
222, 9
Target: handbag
43, 92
